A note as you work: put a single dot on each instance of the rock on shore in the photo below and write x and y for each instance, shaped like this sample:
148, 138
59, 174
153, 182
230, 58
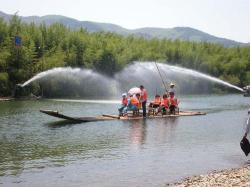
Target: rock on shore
226, 178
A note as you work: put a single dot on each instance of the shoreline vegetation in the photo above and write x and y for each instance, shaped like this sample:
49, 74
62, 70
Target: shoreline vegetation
43, 47
224, 178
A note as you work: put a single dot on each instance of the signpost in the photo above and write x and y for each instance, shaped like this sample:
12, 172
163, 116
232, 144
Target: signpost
18, 41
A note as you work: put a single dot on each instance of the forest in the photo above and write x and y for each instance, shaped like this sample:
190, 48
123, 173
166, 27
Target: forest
44, 47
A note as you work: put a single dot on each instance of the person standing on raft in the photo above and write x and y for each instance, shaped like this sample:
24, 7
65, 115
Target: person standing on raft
144, 97
173, 103
172, 89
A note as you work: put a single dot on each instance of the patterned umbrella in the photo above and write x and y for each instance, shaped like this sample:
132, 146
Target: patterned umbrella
134, 91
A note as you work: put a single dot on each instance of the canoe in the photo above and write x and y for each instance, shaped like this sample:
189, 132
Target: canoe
106, 117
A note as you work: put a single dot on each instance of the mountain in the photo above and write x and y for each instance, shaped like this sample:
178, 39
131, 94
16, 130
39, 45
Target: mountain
187, 34
182, 33
5, 16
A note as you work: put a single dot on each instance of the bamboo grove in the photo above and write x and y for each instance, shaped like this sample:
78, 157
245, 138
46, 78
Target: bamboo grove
45, 47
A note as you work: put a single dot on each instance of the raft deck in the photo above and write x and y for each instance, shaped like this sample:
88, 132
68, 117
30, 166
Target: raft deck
106, 117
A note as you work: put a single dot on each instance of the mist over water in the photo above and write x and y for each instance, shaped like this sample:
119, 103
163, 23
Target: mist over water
88, 82
197, 74
147, 72
77, 81
55, 72
186, 80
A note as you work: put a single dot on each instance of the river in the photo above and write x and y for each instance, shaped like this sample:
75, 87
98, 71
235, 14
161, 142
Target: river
39, 150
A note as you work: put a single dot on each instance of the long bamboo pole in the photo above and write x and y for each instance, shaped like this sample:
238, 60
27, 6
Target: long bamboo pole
161, 77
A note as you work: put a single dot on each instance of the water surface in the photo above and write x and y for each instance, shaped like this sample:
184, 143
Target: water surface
39, 150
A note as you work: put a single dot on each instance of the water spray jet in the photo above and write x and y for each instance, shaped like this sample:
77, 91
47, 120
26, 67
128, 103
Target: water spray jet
133, 75
143, 71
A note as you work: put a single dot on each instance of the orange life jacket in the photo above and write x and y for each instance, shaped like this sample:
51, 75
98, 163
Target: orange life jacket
125, 101
144, 94
134, 101
165, 102
157, 100
173, 101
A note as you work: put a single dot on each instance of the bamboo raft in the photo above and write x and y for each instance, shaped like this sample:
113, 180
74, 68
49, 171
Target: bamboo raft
106, 117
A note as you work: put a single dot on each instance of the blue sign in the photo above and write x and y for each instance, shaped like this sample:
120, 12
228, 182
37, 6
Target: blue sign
18, 40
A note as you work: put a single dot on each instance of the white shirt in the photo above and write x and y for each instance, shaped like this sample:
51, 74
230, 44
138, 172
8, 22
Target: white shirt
171, 90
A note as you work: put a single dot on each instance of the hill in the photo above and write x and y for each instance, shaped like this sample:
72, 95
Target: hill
181, 33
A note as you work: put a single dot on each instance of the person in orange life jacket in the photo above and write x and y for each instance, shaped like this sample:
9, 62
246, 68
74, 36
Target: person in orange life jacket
164, 104
157, 102
144, 97
133, 104
124, 103
173, 103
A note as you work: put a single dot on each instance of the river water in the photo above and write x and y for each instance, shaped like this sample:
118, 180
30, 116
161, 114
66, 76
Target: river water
39, 150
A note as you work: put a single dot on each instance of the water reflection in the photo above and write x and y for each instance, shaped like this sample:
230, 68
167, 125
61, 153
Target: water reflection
138, 132
60, 124
162, 130
166, 129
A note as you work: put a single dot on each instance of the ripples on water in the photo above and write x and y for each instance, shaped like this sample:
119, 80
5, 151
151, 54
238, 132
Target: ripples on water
39, 150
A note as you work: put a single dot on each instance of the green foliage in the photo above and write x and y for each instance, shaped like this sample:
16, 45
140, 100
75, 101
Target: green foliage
45, 47
4, 84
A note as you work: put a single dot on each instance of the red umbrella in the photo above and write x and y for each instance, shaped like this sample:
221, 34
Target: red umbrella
134, 91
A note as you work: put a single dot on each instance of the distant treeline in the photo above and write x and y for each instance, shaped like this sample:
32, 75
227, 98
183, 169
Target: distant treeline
44, 47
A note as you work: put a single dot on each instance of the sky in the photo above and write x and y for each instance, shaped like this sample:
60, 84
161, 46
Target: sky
223, 18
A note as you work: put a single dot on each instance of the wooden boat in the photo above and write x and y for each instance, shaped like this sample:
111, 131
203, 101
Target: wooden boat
106, 117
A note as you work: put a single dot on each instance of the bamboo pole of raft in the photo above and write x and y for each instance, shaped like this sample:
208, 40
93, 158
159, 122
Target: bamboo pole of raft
111, 116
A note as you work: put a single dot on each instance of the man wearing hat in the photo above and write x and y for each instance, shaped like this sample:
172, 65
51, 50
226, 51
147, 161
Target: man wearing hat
172, 89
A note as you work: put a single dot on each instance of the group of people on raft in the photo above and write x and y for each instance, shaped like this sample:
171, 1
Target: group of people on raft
167, 104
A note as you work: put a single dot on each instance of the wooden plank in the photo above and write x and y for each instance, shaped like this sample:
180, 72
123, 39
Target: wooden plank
111, 116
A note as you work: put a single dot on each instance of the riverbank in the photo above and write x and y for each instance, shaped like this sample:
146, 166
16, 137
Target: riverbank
31, 97
6, 98
225, 178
